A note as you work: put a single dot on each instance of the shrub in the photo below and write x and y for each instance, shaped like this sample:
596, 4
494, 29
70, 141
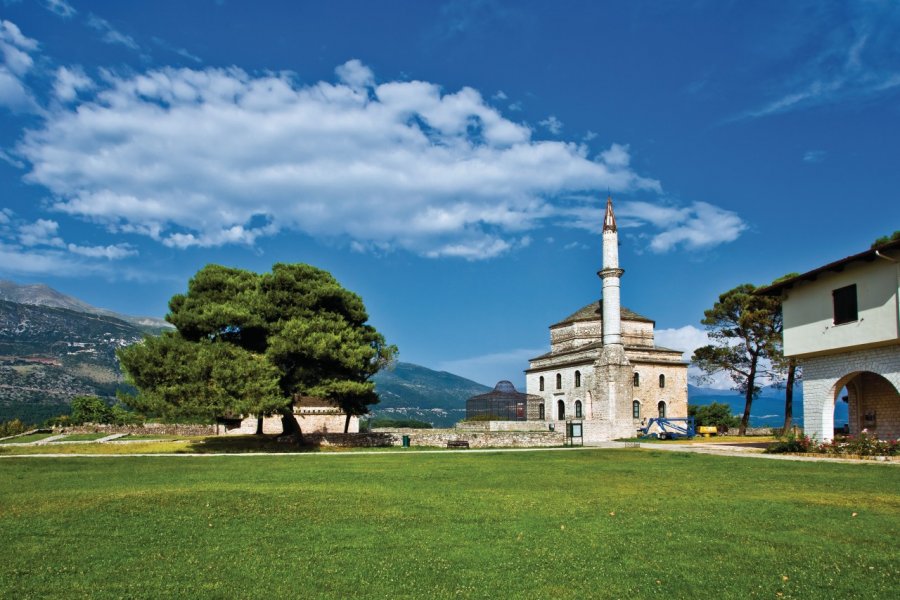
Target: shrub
13, 427
716, 414
89, 409
794, 443
864, 444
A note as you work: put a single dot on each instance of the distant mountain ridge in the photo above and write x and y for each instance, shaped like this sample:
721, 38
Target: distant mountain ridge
42, 295
417, 392
49, 355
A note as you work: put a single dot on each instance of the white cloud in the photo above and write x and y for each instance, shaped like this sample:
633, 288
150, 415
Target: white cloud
846, 56
111, 252
70, 81
355, 74
219, 156
110, 34
688, 339
703, 226
552, 124
61, 8
500, 95
590, 135
616, 156
696, 226
15, 49
14, 260
42, 232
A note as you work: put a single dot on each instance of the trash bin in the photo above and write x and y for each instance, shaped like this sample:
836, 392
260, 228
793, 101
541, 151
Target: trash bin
406, 441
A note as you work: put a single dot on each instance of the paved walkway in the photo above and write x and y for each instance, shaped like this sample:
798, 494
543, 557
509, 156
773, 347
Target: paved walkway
736, 450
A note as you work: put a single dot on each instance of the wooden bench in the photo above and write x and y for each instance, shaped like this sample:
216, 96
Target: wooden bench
457, 443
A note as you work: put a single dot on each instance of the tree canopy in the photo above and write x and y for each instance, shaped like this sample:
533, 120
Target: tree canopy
742, 327
248, 343
886, 238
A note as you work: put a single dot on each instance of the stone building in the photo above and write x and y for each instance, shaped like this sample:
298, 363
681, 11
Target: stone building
604, 370
314, 415
842, 324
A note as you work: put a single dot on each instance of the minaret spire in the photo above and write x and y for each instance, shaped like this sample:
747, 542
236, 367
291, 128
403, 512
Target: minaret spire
610, 274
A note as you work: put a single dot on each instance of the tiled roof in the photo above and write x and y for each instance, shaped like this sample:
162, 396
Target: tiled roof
594, 311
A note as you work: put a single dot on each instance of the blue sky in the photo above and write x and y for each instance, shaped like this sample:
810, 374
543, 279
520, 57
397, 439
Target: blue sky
448, 161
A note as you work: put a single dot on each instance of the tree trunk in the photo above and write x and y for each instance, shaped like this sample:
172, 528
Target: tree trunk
347, 423
259, 425
748, 396
290, 425
789, 397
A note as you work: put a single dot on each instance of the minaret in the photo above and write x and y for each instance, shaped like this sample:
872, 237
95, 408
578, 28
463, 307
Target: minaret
610, 274
612, 388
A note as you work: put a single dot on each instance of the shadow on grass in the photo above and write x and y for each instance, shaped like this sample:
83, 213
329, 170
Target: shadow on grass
271, 443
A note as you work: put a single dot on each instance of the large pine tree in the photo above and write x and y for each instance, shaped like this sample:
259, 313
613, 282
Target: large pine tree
248, 343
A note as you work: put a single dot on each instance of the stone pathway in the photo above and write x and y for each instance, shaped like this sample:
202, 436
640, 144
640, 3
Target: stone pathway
736, 450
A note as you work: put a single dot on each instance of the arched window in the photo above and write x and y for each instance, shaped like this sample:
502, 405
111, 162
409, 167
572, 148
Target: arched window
662, 381
636, 410
578, 409
561, 410
637, 379
541, 383
577, 378
541, 411
661, 407
558, 381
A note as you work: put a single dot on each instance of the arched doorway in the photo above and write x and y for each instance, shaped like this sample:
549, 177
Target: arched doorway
873, 404
561, 410
661, 409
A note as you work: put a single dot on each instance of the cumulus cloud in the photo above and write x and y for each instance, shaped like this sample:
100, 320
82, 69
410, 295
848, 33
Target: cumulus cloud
687, 339
552, 124
16, 50
42, 232
111, 252
70, 81
701, 226
694, 226
219, 156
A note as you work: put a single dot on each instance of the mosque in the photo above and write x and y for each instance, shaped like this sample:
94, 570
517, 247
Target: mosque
604, 376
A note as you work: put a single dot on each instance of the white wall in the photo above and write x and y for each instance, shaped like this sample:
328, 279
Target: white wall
809, 327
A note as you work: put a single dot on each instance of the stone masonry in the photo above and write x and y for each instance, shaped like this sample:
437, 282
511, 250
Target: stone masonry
874, 399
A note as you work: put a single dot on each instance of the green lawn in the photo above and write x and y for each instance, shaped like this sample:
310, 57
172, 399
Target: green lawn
83, 437
548, 524
24, 439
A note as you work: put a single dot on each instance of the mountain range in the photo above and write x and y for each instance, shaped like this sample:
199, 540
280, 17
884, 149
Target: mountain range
38, 294
54, 347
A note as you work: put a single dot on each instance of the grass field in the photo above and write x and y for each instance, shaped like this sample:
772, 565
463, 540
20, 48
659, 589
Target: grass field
546, 524
24, 439
83, 437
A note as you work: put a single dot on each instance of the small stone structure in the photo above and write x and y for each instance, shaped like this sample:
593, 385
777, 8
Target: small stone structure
314, 415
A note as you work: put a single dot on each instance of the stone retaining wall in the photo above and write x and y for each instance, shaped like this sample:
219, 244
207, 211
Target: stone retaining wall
476, 439
145, 429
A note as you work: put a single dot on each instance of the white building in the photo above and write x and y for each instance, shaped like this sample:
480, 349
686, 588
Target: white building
603, 369
842, 323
